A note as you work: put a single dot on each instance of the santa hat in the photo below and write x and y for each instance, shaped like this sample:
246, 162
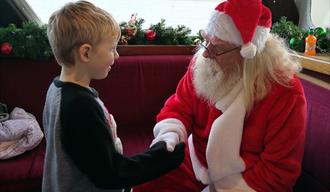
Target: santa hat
244, 23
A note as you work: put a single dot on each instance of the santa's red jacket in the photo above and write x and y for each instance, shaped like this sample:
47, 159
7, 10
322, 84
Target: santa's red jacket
273, 134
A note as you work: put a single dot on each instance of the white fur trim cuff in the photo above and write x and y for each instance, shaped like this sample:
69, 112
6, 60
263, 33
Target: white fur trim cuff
222, 26
201, 173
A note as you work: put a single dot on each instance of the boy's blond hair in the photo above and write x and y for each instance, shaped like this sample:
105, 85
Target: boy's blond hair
76, 24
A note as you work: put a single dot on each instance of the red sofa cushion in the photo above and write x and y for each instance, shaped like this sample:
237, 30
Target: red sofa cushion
23, 171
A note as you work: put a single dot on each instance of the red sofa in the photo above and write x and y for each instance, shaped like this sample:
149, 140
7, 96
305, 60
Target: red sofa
134, 92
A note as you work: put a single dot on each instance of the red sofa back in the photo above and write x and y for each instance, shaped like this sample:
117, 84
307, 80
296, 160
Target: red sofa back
137, 86
135, 91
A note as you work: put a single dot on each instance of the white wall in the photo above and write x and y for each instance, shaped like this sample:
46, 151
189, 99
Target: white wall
321, 13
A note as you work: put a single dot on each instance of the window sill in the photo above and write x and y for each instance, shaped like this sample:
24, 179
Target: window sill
156, 49
316, 69
319, 63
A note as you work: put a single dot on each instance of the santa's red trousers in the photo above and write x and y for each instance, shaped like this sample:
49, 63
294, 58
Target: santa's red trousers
181, 179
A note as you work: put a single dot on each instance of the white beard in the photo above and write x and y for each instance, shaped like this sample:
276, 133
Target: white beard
211, 82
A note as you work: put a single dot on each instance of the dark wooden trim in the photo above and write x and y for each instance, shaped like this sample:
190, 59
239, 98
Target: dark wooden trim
156, 49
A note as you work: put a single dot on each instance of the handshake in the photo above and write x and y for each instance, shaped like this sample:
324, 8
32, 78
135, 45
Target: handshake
171, 131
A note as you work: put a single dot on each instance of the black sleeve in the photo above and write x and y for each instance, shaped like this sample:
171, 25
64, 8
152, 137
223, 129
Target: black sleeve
88, 142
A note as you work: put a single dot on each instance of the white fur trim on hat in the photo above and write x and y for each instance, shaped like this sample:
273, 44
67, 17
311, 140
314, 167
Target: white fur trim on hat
260, 37
222, 26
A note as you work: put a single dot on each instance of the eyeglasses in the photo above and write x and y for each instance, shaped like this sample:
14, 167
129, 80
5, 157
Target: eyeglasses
218, 53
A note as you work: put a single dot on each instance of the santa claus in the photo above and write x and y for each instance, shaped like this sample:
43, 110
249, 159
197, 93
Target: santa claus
240, 108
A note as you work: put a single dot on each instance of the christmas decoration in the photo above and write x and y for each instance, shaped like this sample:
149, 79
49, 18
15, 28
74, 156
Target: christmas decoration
297, 43
319, 32
6, 48
30, 41
295, 37
287, 29
150, 35
130, 27
157, 34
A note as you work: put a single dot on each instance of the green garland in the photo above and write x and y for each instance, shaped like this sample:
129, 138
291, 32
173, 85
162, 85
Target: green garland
133, 34
295, 37
31, 41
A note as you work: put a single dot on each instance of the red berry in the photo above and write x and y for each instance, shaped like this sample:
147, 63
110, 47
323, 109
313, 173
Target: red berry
6, 48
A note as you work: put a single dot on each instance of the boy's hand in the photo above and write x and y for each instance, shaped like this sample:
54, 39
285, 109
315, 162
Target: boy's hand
170, 138
176, 156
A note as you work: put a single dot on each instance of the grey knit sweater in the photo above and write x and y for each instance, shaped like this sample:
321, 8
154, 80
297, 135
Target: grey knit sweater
80, 152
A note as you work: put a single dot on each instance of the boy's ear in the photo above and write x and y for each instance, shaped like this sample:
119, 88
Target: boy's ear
84, 51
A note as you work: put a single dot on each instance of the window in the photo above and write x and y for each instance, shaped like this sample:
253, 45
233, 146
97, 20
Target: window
320, 13
192, 13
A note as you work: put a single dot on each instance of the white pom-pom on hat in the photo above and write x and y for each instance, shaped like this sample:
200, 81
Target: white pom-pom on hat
248, 50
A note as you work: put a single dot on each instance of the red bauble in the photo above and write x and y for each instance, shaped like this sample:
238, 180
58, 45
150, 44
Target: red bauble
150, 35
6, 48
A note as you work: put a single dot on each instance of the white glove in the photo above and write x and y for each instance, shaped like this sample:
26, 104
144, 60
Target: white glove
171, 131
170, 138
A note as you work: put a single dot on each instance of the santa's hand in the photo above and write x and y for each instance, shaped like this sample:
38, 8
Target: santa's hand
170, 138
171, 131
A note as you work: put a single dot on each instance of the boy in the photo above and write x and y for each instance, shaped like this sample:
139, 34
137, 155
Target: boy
83, 151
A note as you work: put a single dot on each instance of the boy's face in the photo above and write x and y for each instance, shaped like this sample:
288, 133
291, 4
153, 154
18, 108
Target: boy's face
102, 57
